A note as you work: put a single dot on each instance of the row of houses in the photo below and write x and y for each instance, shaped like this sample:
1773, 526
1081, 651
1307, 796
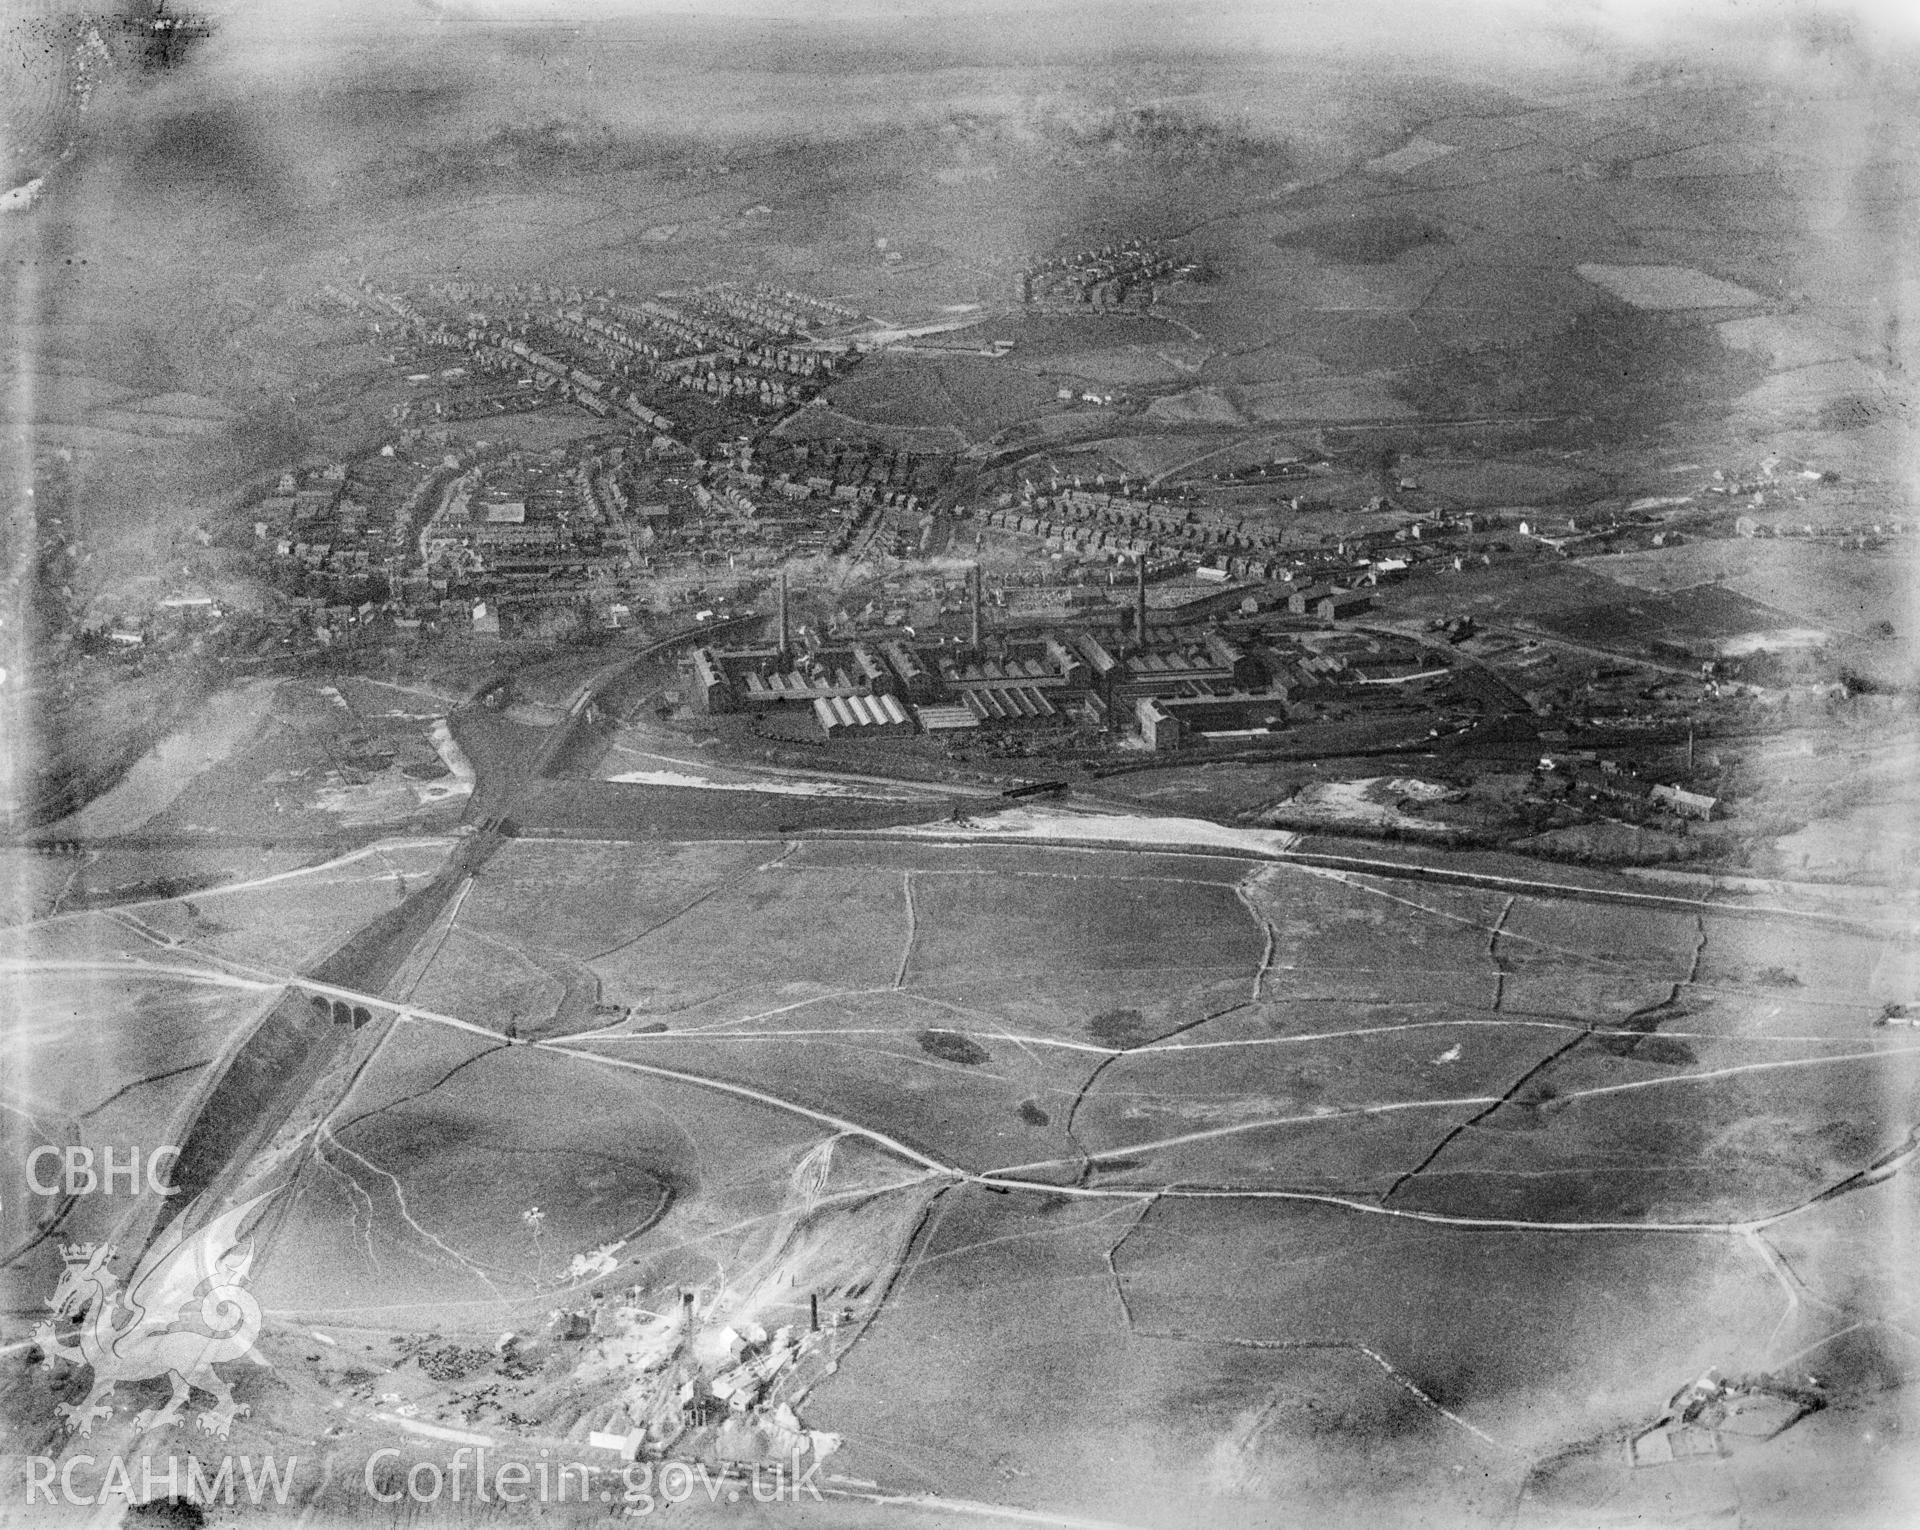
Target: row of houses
1101, 276
1088, 531
696, 349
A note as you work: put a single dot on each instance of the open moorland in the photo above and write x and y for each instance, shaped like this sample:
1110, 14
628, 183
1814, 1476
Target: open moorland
1254, 1169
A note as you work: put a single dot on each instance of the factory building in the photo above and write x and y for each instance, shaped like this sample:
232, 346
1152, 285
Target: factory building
1172, 722
915, 678
775, 688
874, 673
861, 716
712, 691
1161, 730
1011, 706
1181, 688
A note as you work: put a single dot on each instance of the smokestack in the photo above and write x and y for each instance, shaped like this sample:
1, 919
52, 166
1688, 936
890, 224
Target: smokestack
784, 646
976, 608
1140, 600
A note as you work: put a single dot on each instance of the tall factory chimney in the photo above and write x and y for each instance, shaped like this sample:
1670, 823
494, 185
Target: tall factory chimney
976, 608
785, 646
1140, 600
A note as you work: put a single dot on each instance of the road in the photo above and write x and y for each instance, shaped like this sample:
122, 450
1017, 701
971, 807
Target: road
1893, 921
1280, 428
1592, 650
1017, 1177
836, 777
266, 1071
359, 977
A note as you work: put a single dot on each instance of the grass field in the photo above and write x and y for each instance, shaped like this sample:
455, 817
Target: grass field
1319, 1163
1846, 590
105, 1056
1703, 612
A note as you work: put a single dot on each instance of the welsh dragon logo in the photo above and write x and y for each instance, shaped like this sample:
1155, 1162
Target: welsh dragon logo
148, 1329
